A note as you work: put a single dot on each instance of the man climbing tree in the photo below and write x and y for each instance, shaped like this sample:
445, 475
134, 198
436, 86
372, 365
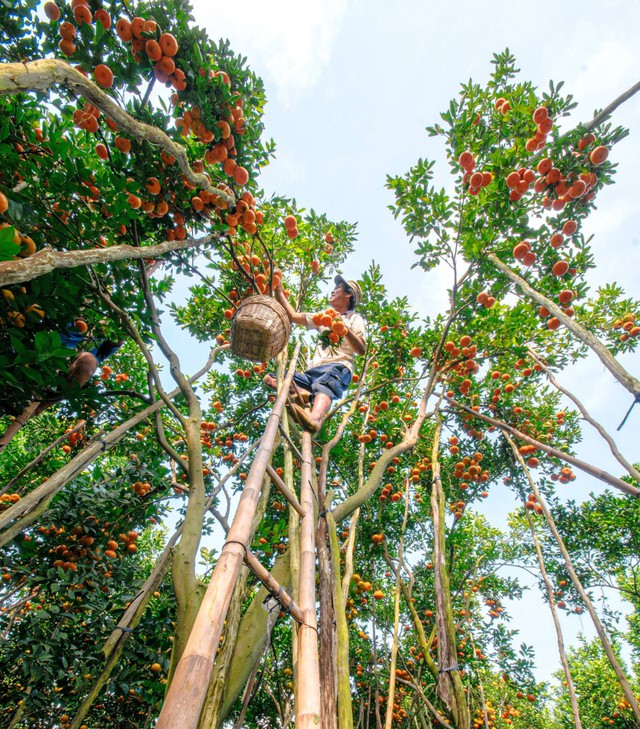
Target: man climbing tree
341, 338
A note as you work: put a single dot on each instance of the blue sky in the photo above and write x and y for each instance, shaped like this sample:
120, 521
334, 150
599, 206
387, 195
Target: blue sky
352, 85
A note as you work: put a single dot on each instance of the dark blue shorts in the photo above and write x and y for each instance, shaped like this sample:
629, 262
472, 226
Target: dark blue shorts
330, 379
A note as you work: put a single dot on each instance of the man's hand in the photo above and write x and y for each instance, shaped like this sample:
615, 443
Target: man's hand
294, 316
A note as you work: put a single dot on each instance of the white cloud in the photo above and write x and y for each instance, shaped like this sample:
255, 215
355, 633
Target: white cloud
289, 43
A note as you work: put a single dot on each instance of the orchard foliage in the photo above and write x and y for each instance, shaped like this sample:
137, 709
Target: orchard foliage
165, 148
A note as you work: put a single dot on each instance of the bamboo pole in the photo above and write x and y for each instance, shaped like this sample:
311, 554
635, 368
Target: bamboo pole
308, 678
284, 490
188, 689
273, 586
606, 644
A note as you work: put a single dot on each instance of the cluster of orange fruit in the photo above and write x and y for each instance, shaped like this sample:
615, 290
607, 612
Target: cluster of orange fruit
7, 499
334, 328
160, 48
531, 504
559, 189
257, 370
468, 469
475, 180
82, 15
291, 226
464, 368
141, 488
386, 493
628, 325
566, 475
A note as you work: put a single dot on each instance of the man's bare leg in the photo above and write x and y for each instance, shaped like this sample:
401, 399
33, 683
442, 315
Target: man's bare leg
80, 371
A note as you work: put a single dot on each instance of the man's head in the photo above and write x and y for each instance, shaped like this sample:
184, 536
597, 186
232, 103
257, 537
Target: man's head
346, 295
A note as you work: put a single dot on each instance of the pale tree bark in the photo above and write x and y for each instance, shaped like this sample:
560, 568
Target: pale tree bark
554, 452
571, 689
606, 643
449, 685
47, 259
396, 615
345, 710
43, 74
632, 470
627, 380
252, 636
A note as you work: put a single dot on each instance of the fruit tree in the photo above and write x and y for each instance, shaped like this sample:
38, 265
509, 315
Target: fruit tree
176, 550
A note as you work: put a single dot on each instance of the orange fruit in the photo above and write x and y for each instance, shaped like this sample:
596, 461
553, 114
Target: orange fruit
560, 268
52, 11
103, 16
540, 114
103, 75
168, 44
4, 203
82, 14
122, 144
599, 155
80, 325
153, 50
102, 151
123, 29
466, 161
137, 27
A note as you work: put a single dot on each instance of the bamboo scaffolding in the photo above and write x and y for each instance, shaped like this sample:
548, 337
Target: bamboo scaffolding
308, 678
188, 690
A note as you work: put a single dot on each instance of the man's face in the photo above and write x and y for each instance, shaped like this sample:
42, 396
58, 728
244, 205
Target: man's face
339, 299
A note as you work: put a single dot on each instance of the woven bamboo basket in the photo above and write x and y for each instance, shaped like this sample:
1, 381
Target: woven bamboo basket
260, 329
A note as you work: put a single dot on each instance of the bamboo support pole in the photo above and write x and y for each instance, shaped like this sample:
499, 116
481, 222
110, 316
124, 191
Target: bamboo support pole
308, 678
284, 490
283, 597
606, 643
188, 690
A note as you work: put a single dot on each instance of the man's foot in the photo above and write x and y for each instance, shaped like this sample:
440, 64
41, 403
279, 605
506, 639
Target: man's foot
301, 397
304, 417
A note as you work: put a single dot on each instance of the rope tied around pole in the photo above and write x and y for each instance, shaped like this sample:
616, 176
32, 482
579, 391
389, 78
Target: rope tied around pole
447, 670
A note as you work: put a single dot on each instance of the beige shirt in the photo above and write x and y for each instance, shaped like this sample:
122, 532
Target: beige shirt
342, 353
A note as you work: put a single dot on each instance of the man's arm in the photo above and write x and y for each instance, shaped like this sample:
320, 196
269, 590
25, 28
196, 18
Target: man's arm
357, 343
295, 317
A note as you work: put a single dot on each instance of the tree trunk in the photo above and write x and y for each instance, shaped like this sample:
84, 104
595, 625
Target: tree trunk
345, 709
608, 360
606, 644
252, 637
450, 688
